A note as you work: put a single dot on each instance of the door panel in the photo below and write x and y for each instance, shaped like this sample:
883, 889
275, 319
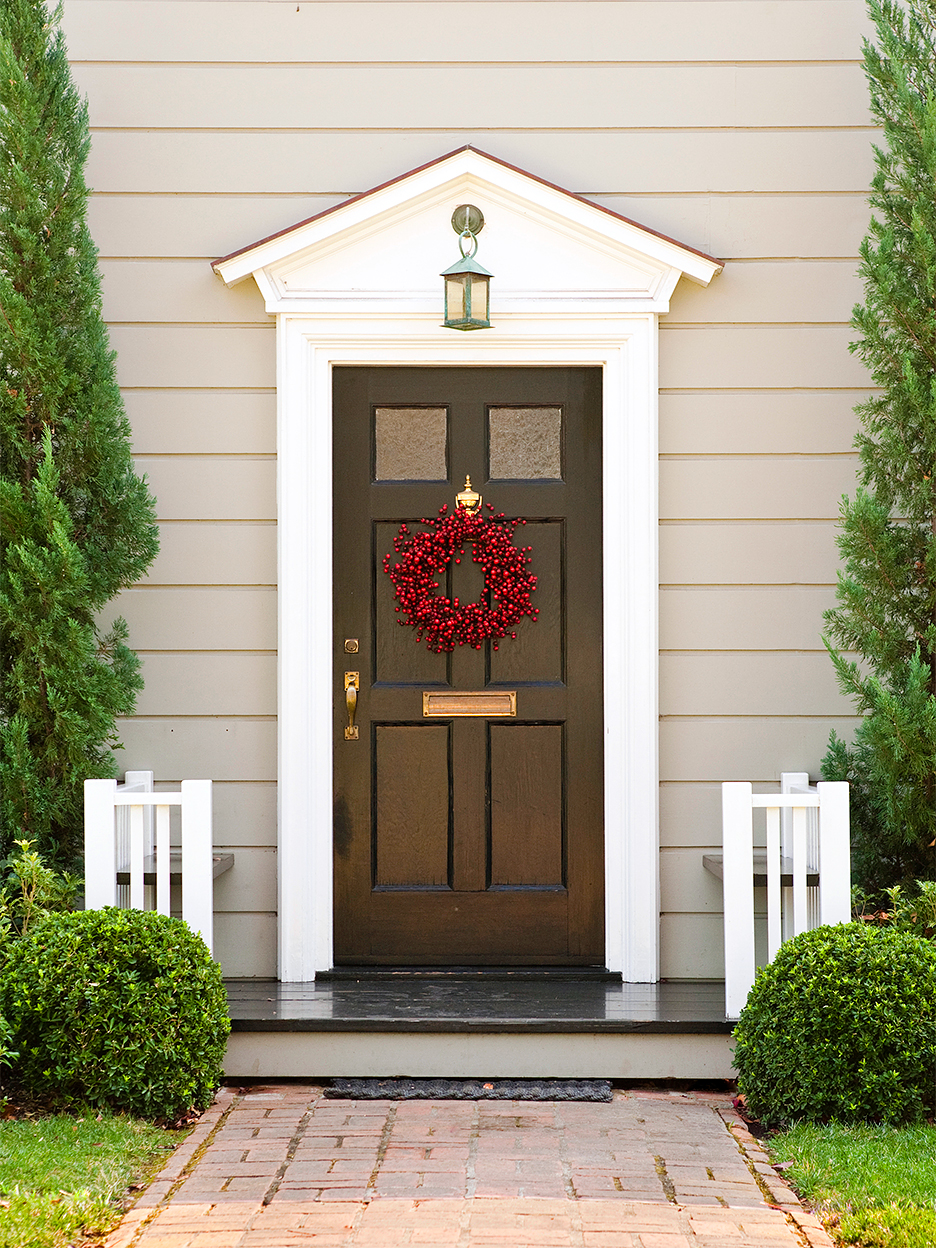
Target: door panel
412, 783
470, 840
527, 806
536, 655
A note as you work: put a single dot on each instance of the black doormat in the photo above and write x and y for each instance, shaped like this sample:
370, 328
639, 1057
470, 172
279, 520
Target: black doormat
469, 1090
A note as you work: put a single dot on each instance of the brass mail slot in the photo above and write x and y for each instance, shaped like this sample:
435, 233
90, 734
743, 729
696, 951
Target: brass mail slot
482, 703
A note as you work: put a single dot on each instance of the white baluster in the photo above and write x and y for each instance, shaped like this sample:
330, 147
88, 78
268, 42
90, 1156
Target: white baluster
774, 901
163, 865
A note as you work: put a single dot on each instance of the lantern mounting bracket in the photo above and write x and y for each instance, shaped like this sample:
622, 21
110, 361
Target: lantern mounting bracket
467, 283
467, 217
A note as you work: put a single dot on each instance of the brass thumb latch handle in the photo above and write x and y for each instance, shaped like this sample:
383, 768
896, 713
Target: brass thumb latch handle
352, 683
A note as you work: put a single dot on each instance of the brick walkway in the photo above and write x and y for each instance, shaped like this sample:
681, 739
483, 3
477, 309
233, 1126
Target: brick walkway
280, 1166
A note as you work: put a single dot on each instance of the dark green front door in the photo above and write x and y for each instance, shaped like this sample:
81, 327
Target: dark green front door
469, 840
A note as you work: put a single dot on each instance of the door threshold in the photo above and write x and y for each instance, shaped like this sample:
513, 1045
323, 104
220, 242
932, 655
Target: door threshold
577, 974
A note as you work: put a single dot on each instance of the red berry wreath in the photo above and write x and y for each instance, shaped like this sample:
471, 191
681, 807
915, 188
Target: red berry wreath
447, 623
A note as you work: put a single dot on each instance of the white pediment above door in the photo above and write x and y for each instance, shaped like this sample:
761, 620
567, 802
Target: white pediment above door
549, 250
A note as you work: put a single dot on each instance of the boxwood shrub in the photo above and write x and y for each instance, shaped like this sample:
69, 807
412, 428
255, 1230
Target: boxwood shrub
115, 1007
841, 1025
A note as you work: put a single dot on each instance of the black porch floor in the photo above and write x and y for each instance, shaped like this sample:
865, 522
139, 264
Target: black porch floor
488, 1001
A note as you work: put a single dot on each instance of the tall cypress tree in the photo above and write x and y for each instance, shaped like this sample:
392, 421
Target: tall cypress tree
887, 591
76, 523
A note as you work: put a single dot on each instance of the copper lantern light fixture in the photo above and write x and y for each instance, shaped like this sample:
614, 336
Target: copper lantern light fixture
467, 283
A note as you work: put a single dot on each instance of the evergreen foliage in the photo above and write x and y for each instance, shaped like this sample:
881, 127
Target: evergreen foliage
76, 523
887, 591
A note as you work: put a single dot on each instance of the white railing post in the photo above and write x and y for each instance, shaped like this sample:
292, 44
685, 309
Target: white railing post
122, 835
197, 877
738, 874
834, 853
143, 779
99, 843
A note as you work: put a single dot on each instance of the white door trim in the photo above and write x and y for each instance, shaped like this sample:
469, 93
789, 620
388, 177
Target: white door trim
625, 347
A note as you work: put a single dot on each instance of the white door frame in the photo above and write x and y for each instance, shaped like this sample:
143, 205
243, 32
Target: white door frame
624, 345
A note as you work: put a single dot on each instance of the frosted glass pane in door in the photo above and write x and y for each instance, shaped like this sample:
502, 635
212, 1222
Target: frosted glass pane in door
410, 443
525, 443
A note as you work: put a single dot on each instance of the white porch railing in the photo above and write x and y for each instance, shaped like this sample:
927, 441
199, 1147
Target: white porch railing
122, 836
805, 868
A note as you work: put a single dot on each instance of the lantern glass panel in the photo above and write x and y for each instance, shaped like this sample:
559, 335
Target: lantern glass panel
454, 299
479, 299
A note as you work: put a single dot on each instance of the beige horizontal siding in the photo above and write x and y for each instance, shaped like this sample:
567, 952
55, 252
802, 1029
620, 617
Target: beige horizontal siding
202, 422
687, 888
194, 748
690, 815
737, 224
506, 97
208, 684
771, 292
156, 224
244, 814
769, 553
252, 162
741, 224
781, 422
777, 357
692, 946
710, 30
762, 683
754, 747
737, 126
218, 619
176, 291
251, 882
739, 488
195, 356
748, 619
214, 554
245, 944
206, 487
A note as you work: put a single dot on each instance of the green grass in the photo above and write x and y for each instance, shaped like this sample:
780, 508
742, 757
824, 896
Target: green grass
873, 1186
888, 1228
64, 1176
